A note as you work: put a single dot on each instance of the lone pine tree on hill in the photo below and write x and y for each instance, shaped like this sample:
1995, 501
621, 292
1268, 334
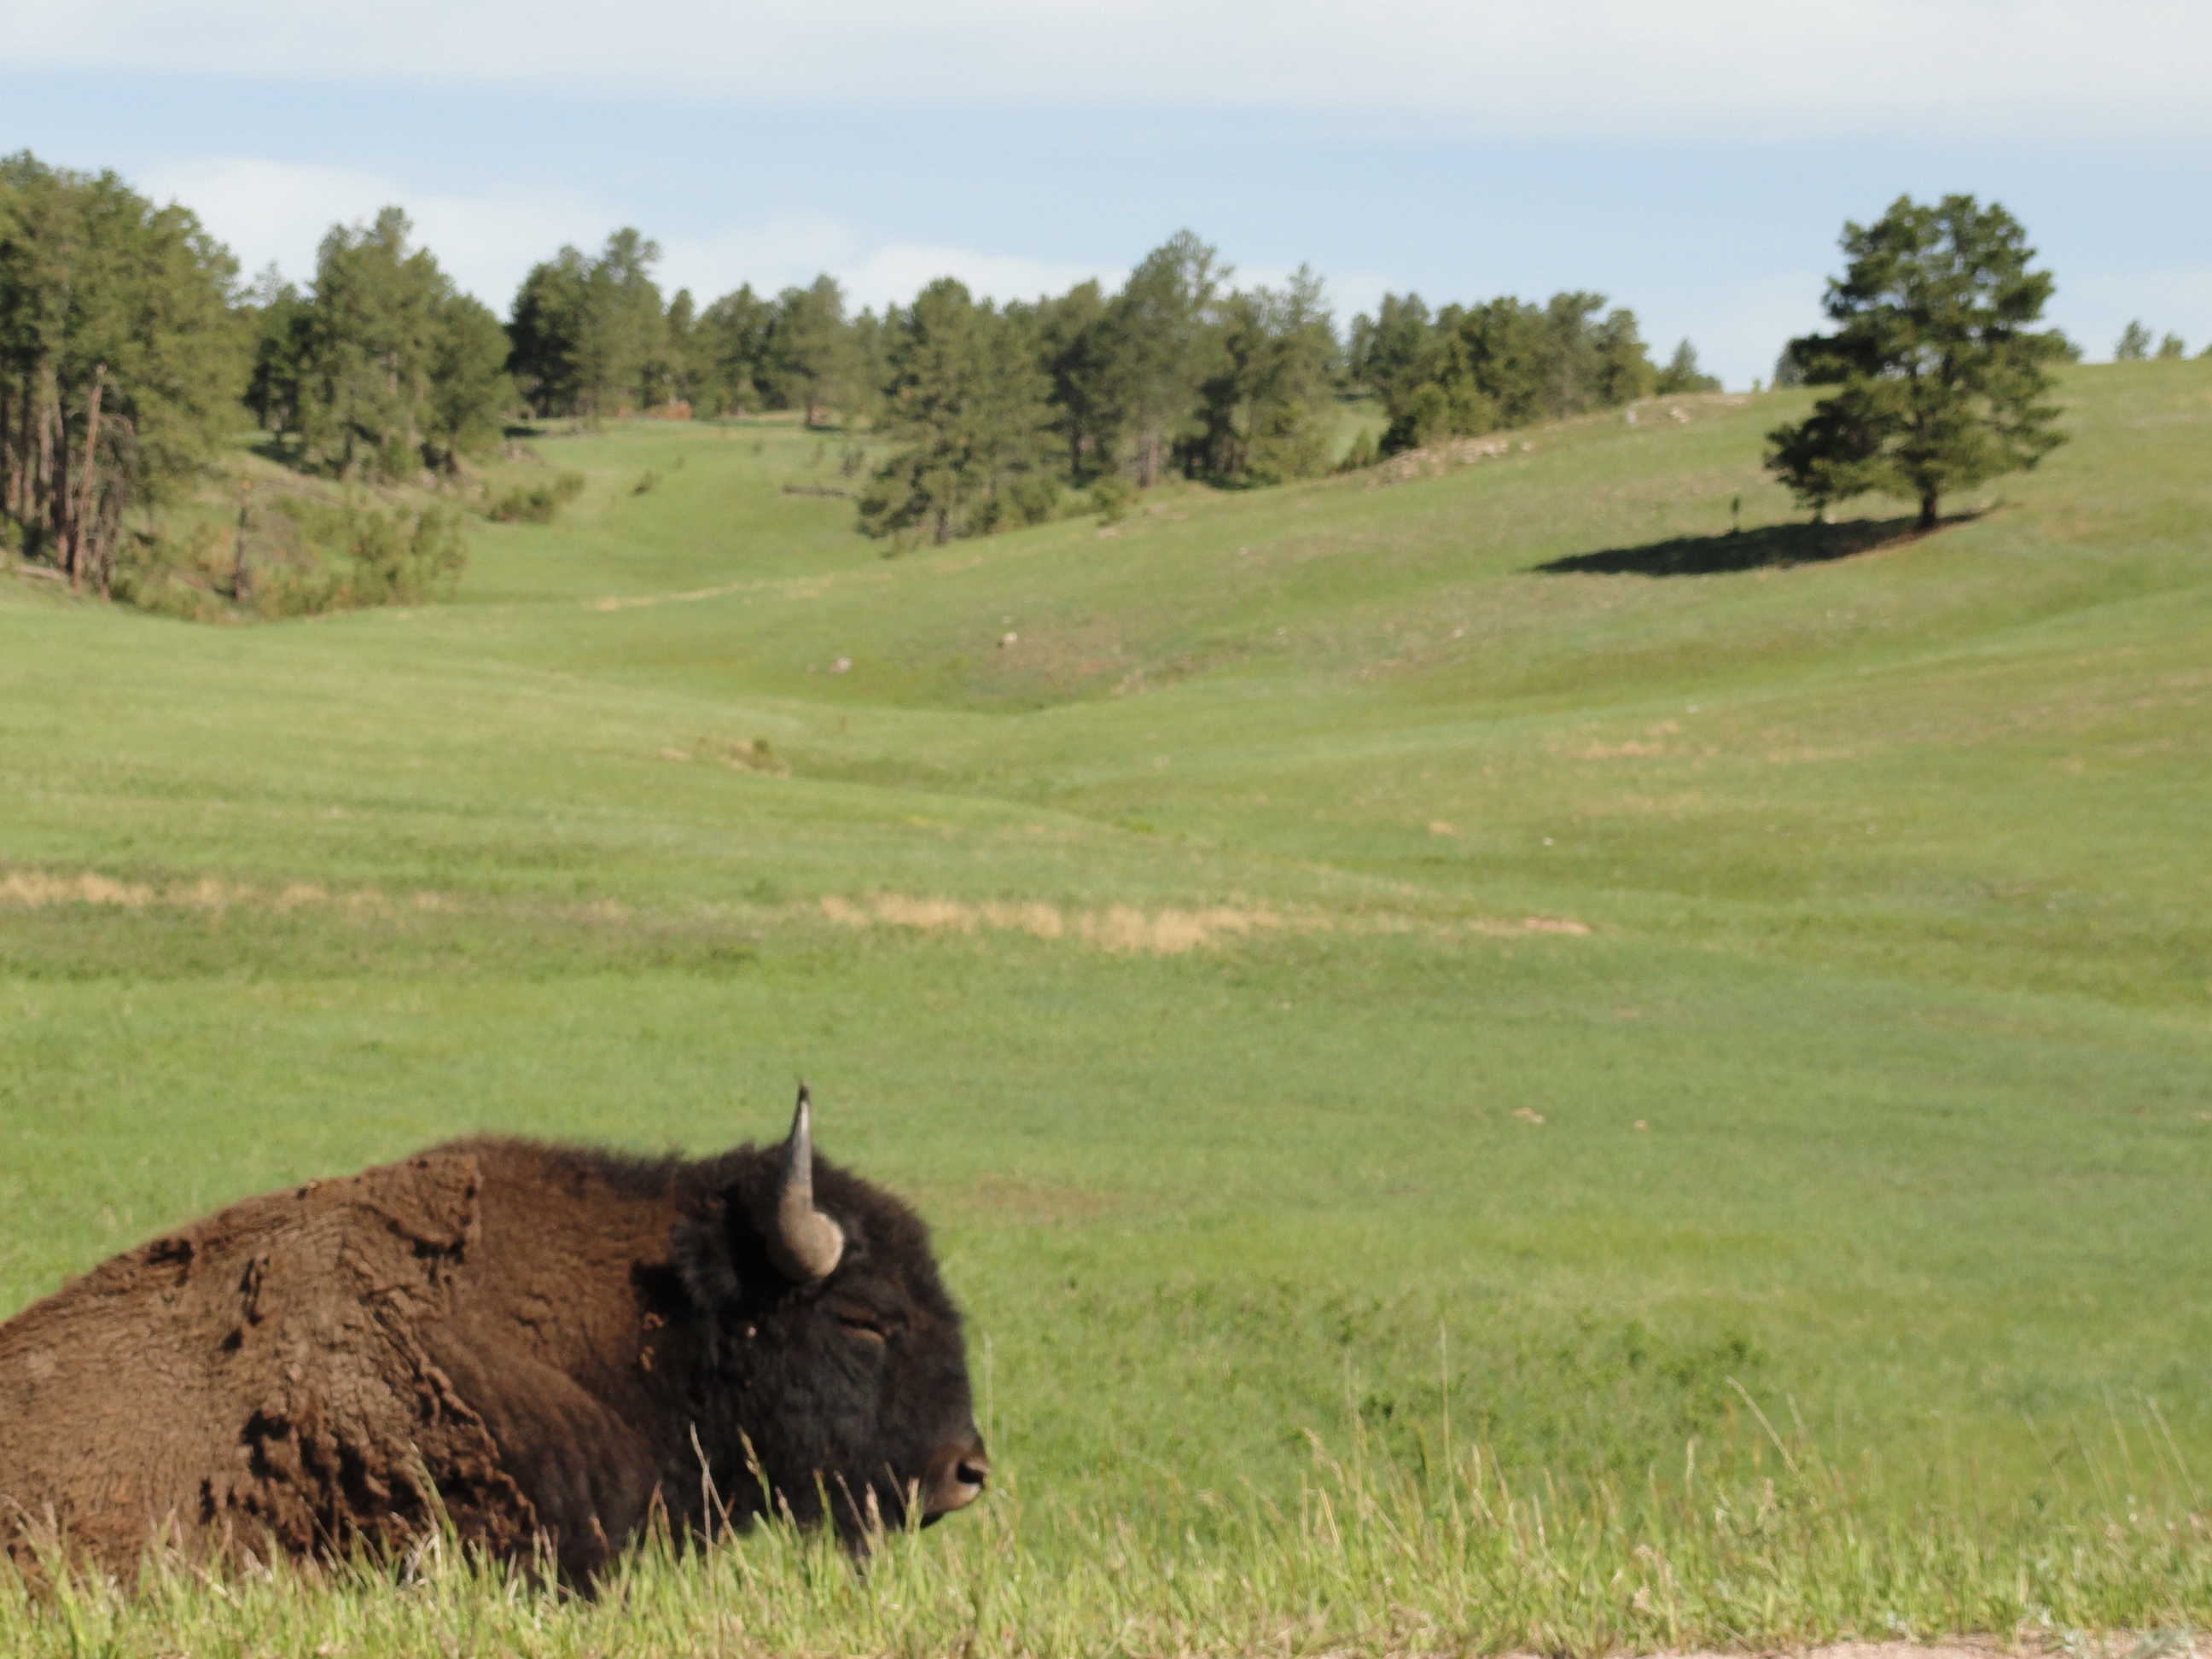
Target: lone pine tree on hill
1939, 375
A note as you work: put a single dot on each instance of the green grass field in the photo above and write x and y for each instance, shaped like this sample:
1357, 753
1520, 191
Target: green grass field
1725, 1058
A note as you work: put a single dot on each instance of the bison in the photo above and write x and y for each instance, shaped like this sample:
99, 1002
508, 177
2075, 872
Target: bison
545, 1345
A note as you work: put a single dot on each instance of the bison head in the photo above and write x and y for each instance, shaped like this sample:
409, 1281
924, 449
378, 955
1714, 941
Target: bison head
832, 1382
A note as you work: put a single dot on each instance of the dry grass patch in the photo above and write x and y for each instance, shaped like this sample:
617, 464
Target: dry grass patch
39, 889
1171, 930
1121, 928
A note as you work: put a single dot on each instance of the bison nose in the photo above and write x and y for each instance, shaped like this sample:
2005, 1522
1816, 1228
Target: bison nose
956, 1475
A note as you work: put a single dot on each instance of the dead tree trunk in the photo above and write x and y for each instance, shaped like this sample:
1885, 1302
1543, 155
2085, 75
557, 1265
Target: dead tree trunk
80, 550
38, 502
241, 574
59, 496
19, 452
118, 484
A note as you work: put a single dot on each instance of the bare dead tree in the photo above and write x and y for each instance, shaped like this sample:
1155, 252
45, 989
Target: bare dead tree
73, 527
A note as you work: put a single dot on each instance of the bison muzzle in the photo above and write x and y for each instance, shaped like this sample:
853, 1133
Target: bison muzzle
546, 1345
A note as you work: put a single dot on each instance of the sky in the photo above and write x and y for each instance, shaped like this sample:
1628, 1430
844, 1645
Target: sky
1695, 161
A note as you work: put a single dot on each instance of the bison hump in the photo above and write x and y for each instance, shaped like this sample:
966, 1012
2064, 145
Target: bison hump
258, 1378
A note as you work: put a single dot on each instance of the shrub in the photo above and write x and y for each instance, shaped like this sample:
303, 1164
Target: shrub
537, 503
303, 556
189, 575
1033, 499
1110, 497
1427, 416
350, 554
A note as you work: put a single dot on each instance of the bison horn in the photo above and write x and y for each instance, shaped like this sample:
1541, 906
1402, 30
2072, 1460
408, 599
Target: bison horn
805, 1244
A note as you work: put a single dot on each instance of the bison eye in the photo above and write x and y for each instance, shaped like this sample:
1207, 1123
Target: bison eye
861, 1326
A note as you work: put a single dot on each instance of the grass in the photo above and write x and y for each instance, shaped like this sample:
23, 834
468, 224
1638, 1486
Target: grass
1359, 1558
1201, 959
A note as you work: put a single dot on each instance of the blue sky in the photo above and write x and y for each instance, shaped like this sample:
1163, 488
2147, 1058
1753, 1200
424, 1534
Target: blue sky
1694, 161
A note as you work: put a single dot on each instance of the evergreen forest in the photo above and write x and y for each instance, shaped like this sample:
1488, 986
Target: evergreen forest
132, 351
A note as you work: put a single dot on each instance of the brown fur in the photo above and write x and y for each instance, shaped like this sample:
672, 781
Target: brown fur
533, 1338
210, 1383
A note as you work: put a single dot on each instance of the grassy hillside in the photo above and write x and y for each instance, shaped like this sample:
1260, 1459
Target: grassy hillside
1475, 936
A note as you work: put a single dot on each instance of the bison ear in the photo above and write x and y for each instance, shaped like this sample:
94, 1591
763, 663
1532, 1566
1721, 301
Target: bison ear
805, 1244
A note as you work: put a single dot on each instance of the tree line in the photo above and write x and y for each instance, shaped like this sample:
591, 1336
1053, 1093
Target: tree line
120, 359
1470, 369
994, 410
2137, 344
128, 345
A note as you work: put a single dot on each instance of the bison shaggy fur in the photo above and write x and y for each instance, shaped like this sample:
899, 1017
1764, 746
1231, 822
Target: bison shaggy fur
545, 1345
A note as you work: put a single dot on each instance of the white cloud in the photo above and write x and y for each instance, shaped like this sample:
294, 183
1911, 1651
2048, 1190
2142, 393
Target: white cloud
771, 257
898, 270
275, 211
1624, 68
795, 250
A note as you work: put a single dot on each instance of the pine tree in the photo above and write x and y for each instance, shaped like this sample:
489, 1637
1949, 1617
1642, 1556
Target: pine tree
545, 334
730, 347
1569, 354
680, 348
623, 351
276, 310
865, 343
365, 364
1160, 343
1505, 362
965, 397
121, 361
1394, 351
811, 362
589, 337
469, 391
1625, 371
1484, 368
1266, 412
1075, 347
1682, 377
388, 367
1940, 378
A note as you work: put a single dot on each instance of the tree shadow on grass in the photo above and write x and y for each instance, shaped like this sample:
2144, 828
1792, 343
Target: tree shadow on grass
1770, 547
